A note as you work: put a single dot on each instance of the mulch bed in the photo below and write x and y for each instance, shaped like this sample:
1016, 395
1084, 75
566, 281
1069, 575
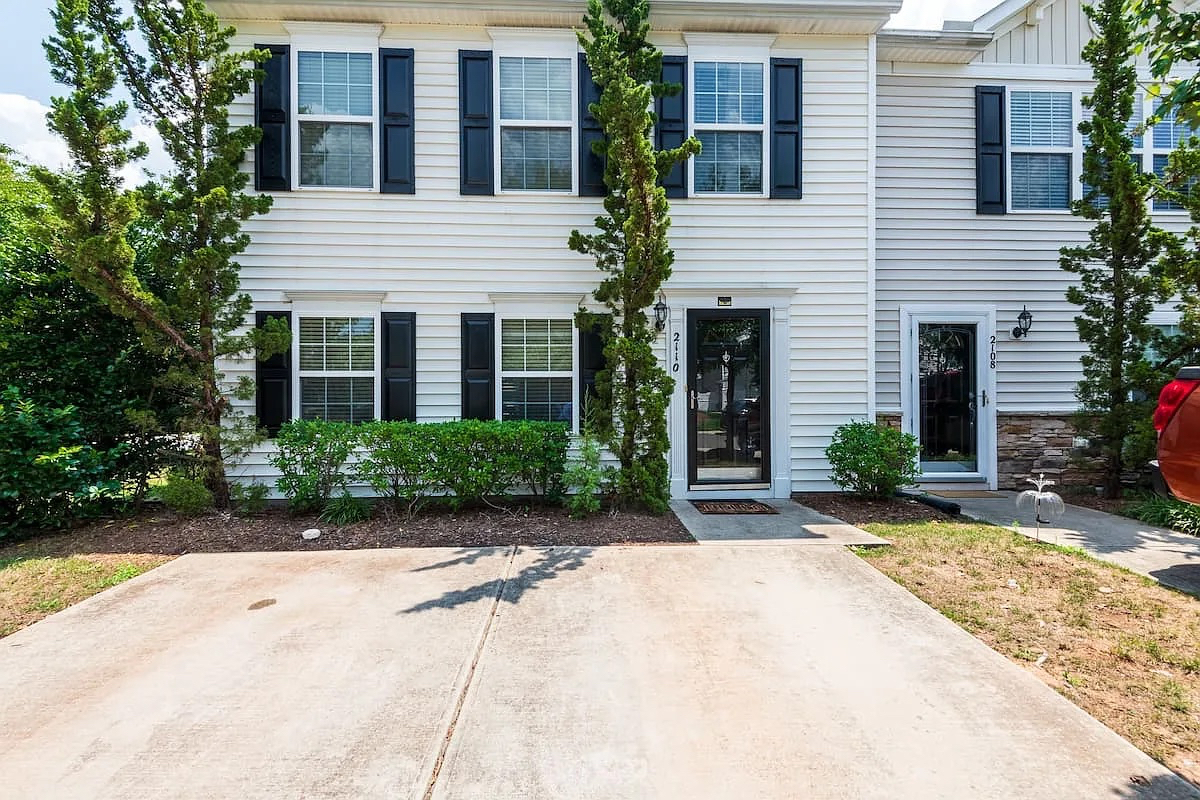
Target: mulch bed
161, 532
860, 511
1094, 501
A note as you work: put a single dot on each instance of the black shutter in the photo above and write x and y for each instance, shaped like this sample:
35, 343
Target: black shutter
787, 128
591, 166
591, 361
990, 141
273, 380
272, 101
475, 169
478, 366
399, 365
671, 128
396, 146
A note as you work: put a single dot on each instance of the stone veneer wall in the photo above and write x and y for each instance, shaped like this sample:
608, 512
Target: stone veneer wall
1029, 444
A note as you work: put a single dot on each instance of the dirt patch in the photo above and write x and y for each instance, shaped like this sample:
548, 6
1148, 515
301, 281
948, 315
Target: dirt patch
860, 511
1120, 646
1096, 502
166, 534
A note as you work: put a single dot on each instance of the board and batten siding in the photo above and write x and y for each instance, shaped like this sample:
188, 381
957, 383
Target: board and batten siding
934, 249
438, 253
1057, 39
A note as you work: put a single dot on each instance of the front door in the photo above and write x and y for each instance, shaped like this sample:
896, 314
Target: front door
952, 403
727, 394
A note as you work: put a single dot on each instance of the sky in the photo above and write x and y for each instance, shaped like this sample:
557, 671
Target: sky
26, 86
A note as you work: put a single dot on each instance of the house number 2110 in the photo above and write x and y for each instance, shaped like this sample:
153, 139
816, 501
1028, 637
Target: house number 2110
675, 352
992, 355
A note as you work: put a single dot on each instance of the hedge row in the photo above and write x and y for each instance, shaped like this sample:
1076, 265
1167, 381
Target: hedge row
409, 462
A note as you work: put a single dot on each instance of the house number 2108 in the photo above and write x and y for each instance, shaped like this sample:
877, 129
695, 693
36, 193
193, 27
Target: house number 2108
675, 352
992, 355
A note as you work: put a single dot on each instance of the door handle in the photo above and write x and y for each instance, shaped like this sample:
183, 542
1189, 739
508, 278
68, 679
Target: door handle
985, 398
692, 398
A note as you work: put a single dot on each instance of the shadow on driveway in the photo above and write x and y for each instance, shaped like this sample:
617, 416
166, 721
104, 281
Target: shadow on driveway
550, 563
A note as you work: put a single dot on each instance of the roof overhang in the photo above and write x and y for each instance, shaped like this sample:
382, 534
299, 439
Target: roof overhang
842, 17
935, 47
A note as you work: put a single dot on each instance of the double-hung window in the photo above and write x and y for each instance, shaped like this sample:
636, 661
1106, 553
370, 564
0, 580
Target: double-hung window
1042, 138
1166, 135
337, 368
335, 111
537, 369
729, 122
536, 123
1133, 129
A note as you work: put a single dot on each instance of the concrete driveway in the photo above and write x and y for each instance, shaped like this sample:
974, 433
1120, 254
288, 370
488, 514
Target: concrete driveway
643, 672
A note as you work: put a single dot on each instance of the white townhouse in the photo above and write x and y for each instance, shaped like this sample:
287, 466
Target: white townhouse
871, 213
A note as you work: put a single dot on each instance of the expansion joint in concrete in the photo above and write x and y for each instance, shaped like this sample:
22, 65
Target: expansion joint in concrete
469, 677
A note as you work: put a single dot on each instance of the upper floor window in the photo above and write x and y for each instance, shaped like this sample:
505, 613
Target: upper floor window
536, 123
335, 109
1041, 136
1165, 136
729, 122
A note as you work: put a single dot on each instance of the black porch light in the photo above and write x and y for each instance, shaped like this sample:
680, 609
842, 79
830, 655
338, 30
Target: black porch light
661, 314
1024, 323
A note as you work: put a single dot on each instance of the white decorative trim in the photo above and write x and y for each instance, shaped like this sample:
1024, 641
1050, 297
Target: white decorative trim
327, 34
872, 222
728, 44
318, 296
575, 299
536, 41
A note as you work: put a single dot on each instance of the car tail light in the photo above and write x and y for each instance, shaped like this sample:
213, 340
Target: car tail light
1170, 399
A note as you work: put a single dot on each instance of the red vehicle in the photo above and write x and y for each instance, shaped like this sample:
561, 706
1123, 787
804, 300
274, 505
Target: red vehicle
1177, 420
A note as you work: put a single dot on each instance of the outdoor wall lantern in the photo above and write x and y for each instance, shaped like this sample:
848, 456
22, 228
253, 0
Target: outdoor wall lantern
1024, 323
661, 313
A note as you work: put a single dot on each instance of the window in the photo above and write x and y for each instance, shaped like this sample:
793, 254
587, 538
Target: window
1166, 135
536, 123
537, 380
728, 121
337, 368
335, 107
1042, 136
1133, 129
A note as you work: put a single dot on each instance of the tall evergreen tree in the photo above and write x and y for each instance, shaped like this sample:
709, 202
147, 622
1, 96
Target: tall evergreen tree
1116, 289
631, 246
173, 58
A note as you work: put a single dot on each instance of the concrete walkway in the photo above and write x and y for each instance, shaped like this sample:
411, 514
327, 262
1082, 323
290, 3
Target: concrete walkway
720, 671
795, 524
1166, 556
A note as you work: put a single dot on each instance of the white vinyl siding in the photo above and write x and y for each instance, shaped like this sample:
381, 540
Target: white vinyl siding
335, 110
446, 254
728, 121
1041, 138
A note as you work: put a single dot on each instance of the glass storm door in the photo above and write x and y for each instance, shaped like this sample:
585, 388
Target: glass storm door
949, 398
727, 395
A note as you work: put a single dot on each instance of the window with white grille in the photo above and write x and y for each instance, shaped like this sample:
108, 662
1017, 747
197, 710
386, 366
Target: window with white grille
1041, 138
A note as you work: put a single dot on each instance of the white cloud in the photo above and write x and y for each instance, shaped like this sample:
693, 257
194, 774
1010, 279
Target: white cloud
930, 14
23, 128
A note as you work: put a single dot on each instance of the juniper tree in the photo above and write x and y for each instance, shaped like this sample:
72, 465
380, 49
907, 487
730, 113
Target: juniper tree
630, 246
1116, 290
173, 59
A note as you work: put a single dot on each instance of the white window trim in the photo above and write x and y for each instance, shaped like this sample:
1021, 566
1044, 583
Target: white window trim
534, 312
725, 49
336, 309
333, 38
535, 43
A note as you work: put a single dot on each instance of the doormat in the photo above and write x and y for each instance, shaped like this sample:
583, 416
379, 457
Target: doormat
967, 493
733, 507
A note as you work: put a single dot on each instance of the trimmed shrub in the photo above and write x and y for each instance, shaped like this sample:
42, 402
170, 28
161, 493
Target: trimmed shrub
872, 460
310, 460
184, 495
475, 460
397, 462
49, 475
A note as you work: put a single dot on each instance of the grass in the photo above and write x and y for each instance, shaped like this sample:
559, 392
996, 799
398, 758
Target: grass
1119, 645
34, 585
